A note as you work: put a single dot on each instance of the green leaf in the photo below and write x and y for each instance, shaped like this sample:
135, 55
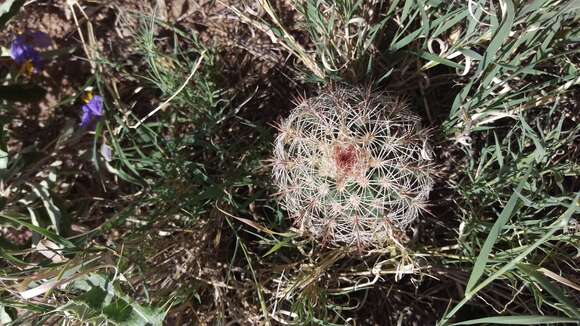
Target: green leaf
6, 314
52, 210
435, 60
448, 21
406, 40
83, 312
33, 307
11, 258
532, 271
3, 160
105, 303
275, 248
118, 310
8, 9
500, 36
498, 153
49, 235
407, 9
424, 18
559, 224
94, 298
539, 152
481, 261
518, 320
146, 316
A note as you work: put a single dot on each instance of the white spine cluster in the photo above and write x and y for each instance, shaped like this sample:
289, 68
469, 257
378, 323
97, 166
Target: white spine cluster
352, 167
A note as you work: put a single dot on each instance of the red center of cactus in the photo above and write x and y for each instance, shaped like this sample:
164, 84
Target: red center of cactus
345, 158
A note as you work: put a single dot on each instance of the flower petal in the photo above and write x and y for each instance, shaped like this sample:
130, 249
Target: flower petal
19, 40
39, 39
20, 52
96, 105
22, 48
86, 118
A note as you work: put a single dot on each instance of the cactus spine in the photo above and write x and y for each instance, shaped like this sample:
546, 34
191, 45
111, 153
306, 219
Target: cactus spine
353, 167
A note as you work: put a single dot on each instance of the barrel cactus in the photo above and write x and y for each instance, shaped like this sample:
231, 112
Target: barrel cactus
353, 167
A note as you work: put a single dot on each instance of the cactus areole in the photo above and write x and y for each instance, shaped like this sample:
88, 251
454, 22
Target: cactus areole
353, 168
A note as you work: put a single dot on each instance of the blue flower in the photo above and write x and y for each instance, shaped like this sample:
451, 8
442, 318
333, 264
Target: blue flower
23, 50
92, 110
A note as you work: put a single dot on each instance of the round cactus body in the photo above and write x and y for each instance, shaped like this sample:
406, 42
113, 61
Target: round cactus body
352, 167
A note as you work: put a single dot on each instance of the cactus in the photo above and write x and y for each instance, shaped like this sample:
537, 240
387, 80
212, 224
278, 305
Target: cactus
353, 167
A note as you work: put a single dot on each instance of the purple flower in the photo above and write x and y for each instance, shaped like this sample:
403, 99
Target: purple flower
23, 49
92, 110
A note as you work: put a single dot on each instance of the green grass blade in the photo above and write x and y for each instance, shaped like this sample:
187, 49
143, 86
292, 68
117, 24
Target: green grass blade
406, 9
54, 213
518, 320
10, 258
498, 153
406, 40
49, 235
481, 261
532, 271
562, 221
500, 36
559, 224
435, 60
